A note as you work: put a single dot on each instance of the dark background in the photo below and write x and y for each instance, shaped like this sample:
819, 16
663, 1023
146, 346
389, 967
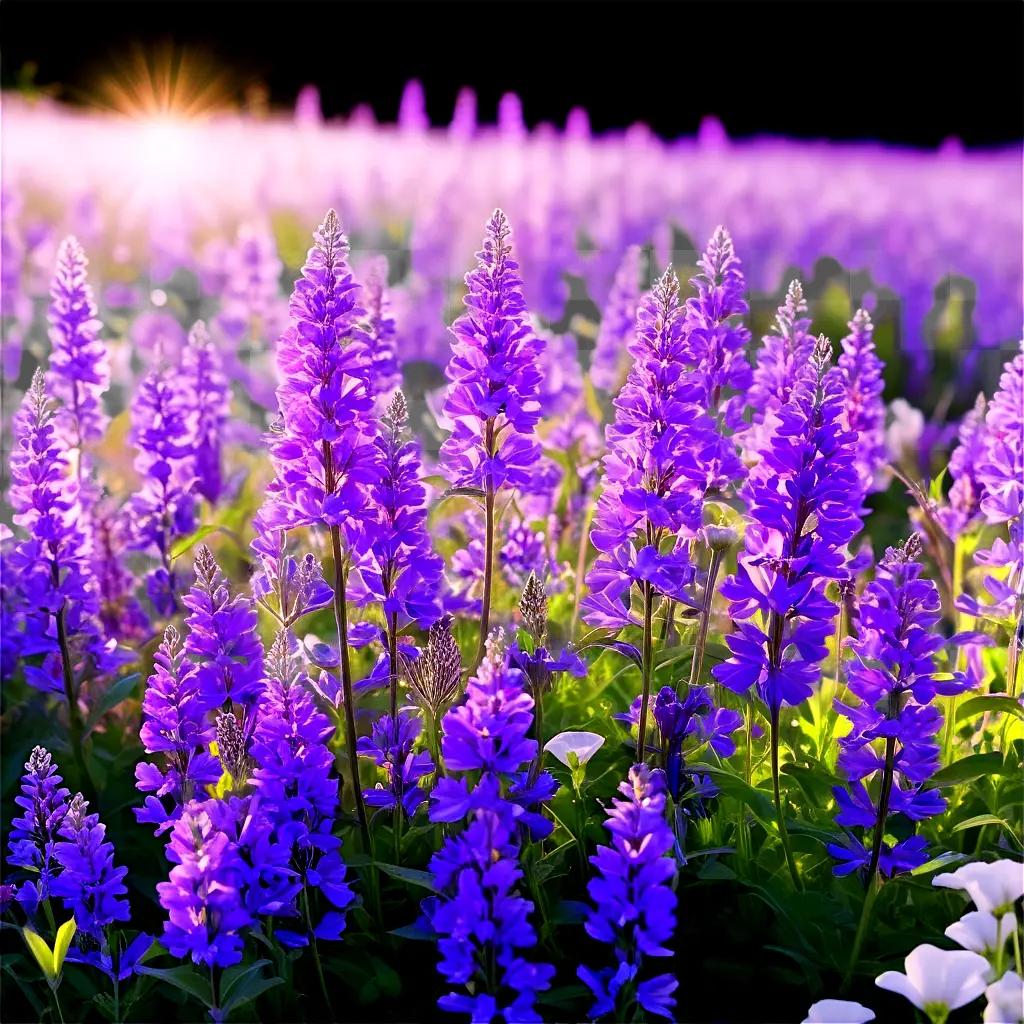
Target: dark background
911, 73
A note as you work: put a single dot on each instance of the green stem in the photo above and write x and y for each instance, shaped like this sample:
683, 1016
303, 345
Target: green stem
341, 622
393, 663
316, 956
705, 618
214, 993
647, 657
862, 928
74, 717
783, 831
884, 793
56, 1002
826, 724
485, 606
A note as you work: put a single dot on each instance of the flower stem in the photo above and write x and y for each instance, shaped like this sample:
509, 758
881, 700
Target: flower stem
705, 618
647, 656
883, 794
341, 622
393, 663
485, 606
783, 831
316, 956
74, 717
862, 928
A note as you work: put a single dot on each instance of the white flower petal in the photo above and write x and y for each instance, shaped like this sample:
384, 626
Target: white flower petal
583, 744
1005, 1000
893, 981
992, 886
838, 1011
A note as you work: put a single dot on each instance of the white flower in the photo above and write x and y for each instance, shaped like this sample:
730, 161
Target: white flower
583, 744
1005, 1000
838, 1011
904, 431
981, 932
993, 887
938, 980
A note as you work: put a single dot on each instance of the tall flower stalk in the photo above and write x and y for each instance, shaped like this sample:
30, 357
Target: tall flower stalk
323, 448
492, 399
800, 524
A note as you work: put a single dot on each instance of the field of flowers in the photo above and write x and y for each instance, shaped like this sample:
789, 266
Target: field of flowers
622, 623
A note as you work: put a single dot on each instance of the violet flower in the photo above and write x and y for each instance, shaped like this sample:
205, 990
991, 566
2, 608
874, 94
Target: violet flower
391, 746
380, 328
634, 904
618, 324
210, 396
963, 509
895, 682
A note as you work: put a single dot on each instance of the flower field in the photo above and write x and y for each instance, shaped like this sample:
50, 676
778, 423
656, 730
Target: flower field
502, 575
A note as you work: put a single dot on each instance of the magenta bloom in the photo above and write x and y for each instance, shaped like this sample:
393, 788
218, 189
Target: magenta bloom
210, 396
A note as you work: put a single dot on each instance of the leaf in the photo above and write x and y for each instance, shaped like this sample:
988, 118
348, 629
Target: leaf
61, 945
118, 692
413, 932
183, 977
995, 702
40, 951
234, 975
186, 543
966, 769
464, 492
943, 860
978, 820
424, 879
251, 987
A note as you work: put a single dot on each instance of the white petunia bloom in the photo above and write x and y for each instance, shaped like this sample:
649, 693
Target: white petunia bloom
938, 980
1005, 1000
982, 932
583, 744
994, 887
838, 1011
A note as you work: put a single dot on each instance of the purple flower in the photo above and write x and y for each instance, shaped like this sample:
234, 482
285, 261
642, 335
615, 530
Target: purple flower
286, 587
34, 835
385, 371
618, 323
165, 505
963, 510
401, 571
800, 523
323, 450
56, 590
89, 884
391, 745
659, 454
435, 673
210, 396
203, 895
492, 400
174, 725
298, 791
79, 371
895, 681
864, 415
120, 613
634, 905
482, 920
223, 637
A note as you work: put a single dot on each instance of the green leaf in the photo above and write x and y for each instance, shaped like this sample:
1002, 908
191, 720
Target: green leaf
935, 487
186, 543
464, 492
234, 975
966, 769
247, 986
994, 702
41, 951
183, 977
61, 945
118, 692
424, 879
943, 860
978, 820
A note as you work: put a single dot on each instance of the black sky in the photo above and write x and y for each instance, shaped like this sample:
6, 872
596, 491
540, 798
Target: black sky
912, 73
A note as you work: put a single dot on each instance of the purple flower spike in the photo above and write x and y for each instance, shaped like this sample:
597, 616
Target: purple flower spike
492, 402
381, 332
391, 746
634, 905
618, 323
211, 397
864, 414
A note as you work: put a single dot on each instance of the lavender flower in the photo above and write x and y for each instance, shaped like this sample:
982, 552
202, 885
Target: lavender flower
483, 925
211, 400
864, 414
56, 589
634, 903
89, 884
618, 323
34, 836
895, 681
385, 372
298, 792
963, 510
801, 522
491, 401
79, 371
165, 506
120, 614
223, 638
174, 725
286, 587
391, 745
203, 895
435, 674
